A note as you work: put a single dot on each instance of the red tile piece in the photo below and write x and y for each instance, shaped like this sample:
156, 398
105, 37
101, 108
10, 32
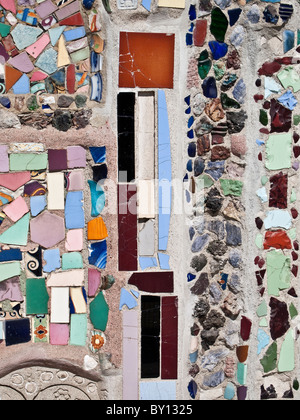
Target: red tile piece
71, 78
156, 282
200, 32
277, 239
246, 325
268, 69
278, 191
169, 337
75, 20
127, 224
14, 180
146, 60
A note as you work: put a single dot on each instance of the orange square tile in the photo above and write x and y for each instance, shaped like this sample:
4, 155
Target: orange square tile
146, 60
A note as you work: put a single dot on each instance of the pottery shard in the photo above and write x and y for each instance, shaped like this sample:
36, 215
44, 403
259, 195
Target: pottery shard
203, 145
220, 153
214, 110
238, 145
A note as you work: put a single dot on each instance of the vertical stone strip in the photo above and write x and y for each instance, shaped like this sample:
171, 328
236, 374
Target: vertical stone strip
216, 149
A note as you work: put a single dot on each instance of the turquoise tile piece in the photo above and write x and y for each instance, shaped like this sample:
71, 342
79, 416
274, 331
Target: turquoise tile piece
22, 87
263, 340
288, 40
24, 35
73, 34
78, 330
47, 61
164, 172
229, 392
278, 218
55, 33
37, 204
74, 213
97, 198
158, 391
241, 373
52, 258
147, 262
72, 260
127, 299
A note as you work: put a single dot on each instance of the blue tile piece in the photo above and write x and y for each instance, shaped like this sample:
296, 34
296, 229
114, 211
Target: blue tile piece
74, 213
263, 340
234, 15
164, 261
218, 49
98, 154
192, 388
97, 198
135, 293
37, 204
127, 299
158, 391
73, 34
164, 172
209, 88
189, 39
22, 87
52, 258
192, 12
190, 277
147, 262
288, 100
13, 254
17, 331
98, 254
288, 40
97, 87
47, 61
147, 4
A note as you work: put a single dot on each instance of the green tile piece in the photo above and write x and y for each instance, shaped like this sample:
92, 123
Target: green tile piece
293, 311
219, 24
264, 180
99, 312
278, 272
4, 30
17, 234
296, 119
9, 270
279, 151
28, 161
289, 78
287, 354
293, 195
259, 240
263, 322
80, 55
72, 260
231, 187
269, 360
78, 331
262, 310
204, 181
263, 117
36, 297
292, 234
241, 373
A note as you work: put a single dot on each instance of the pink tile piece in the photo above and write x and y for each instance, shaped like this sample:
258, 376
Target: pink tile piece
94, 280
10, 289
74, 240
17, 209
59, 334
35, 49
45, 9
4, 161
9, 5
37, 76
130, 356
68, 10
76, 156
14, 180
22, 62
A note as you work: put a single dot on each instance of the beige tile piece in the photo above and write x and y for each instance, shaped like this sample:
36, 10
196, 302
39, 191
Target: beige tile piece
56, 191
60, 312
72, 278
146, 199
176, 4
78, 300
63, 58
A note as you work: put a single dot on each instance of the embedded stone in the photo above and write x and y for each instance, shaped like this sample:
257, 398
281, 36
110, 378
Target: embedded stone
213, 201
219, 24
214, 380
209, 337
199, 262
199, 166
236, 121
62, 120
201, 309
217, 248
201, 284
238, 145
234, 235
220, 153
214, 110
200, 243
203, 145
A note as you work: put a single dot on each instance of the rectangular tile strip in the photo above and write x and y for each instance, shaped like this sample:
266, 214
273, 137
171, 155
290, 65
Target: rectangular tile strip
169, 338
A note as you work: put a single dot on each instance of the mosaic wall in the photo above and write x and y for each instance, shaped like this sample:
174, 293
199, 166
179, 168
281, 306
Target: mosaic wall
148, 199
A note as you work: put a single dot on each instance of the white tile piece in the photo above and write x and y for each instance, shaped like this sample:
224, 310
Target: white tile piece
60, 312
56, 191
